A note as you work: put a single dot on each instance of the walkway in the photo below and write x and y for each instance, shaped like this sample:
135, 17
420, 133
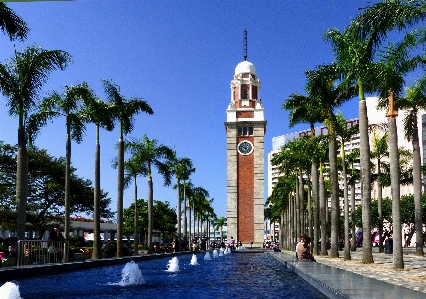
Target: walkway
337, 278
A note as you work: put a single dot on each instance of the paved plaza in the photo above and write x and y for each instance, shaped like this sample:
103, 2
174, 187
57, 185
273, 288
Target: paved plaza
351, 279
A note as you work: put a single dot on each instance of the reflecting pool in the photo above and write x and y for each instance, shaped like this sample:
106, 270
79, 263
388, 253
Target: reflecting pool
236, 275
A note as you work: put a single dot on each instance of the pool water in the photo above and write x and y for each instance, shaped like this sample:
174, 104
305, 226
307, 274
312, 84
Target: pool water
236, 275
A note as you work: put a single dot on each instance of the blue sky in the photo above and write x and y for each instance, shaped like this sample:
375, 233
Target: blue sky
180, 57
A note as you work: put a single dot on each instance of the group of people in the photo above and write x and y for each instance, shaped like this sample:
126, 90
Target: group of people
303, 249
11, 244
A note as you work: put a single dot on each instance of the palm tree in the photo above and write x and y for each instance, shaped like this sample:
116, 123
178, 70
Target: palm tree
328, 94
199, 195
395, 64
182, 168
12, 24
345, 134
380, 150
355, 53
292, 159
353, 177
303, 109
124, 110
151, 154
133, 168
67, 105
219, 223
99, 113
354, 58
205, 212
412, 103
277, 206
322, 156
20, 81
188, 188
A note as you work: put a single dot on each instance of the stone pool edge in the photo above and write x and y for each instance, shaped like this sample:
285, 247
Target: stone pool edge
292, 264
13, 272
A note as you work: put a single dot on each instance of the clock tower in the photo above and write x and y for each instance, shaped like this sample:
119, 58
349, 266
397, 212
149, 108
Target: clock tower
245, 130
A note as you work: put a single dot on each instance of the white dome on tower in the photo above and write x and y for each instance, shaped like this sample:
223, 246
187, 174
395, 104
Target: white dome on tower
245, 67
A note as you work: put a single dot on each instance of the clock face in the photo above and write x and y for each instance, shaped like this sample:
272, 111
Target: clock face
245, 147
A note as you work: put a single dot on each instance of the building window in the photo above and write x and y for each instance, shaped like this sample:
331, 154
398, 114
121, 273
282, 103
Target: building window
245, 131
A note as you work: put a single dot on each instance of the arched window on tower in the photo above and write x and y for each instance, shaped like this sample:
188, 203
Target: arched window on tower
244, 93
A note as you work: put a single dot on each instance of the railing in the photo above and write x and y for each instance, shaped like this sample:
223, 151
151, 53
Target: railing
37, 252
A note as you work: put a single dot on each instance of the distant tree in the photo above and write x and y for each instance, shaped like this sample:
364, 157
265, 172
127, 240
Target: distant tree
142, 218
46, 193
407, 213
164, 218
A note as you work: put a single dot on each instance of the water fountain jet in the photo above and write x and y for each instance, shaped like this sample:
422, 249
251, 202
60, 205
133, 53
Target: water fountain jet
173, 265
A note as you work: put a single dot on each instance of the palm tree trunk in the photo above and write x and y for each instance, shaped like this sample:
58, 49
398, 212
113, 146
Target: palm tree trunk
297, 210
301, 204
190, 225
288, 224
96, 253
135, 220
398, 262
367, 253
21, 184
347, 252
380, 208
120, 191
323, 218
150, 212
417, 184
353, 218
335, 207
293, 222
185, 231
316, 208
282, 229
67, 197
199, 229
309, 220
179, 221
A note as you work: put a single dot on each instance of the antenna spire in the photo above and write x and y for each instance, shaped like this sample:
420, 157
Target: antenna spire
245, 44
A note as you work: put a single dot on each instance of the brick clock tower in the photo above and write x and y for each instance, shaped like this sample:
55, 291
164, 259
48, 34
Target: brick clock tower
245, 131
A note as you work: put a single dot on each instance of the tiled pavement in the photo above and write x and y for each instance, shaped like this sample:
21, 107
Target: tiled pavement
351, 279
